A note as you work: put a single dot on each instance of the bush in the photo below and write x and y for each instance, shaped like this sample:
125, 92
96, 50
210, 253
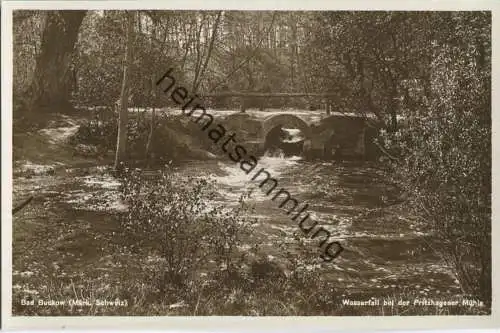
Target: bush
101, 130
172, 218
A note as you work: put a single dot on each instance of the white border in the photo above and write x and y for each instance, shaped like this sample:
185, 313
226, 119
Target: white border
235, 323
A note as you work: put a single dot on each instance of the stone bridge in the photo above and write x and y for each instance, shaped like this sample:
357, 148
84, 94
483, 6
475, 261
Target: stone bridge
320, 136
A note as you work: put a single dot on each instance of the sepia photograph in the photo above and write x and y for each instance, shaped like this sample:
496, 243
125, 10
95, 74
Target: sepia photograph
225, 162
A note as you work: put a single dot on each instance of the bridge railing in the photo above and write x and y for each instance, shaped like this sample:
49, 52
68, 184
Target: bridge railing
243, 96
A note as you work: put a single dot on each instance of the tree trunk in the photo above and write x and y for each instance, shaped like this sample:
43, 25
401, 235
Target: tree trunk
121, 142
154, 99
49, 88
150, 136
198, 79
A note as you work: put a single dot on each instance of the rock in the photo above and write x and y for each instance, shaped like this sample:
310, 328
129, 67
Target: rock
86, 150
263, 269
202, 154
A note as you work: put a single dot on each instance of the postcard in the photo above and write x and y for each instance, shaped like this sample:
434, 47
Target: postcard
294, 166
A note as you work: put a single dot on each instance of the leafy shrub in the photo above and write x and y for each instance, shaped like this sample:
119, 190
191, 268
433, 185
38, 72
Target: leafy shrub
172, 218
101, 130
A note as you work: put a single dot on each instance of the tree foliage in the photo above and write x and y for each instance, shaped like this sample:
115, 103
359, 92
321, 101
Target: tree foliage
444, 150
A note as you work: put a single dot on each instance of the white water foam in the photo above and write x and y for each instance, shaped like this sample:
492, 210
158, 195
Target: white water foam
236, 182
293, 135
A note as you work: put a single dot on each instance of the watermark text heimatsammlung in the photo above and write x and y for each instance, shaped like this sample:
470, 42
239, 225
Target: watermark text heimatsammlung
248, 163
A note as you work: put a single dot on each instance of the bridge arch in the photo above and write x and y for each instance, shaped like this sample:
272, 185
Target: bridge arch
273, 134
285, 120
